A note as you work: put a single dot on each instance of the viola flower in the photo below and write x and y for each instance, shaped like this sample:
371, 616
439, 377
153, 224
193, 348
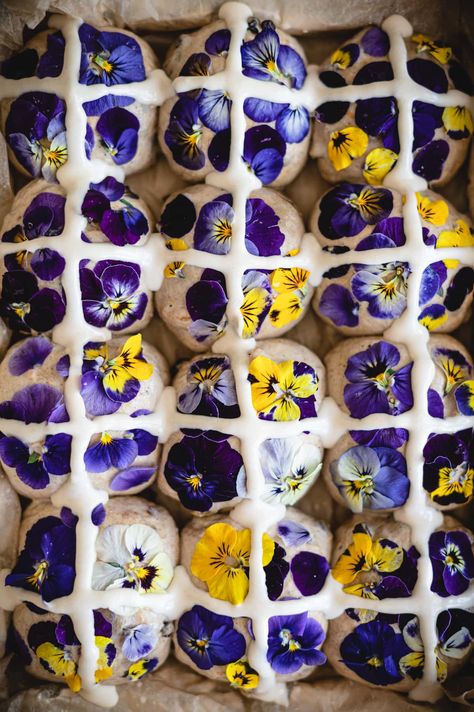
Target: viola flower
266, 59
177, 219
264, 149
26, 307
122, 224
120, 453
345, 56
457, 121
241, 675
461, 236
35, 132
34, 464
371, 478
294, 641
221, 560
210, 389
218, 43
283, 391
429, 160
131, 556
387, 233
206, 302
448, 470
108, 382
455, 638
118, 131
257, 301
348, 208
214, 109
184, 133
46, 563
209, 639
109, 58
203, 468
262, 234
213, 231
111, 294
452, 561
291, 121
139, 641
375, 568
290, 288
345, 145
465, 398
375, 386
337, 304
137, 670
386, 437
28, 63
438, 50
29, 354
198, 64
38, 403
373, 651
435, 212
309, 571
290, 466
378, 163
383, 287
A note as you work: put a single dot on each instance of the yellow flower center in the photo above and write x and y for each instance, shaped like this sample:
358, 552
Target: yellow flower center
103, 63
21, 309
374, 661
106, 439
194, 481
37, 578
222, 231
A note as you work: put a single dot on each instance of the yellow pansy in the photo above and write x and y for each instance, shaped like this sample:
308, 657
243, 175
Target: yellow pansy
454, 482
99, 351
341, 58
454, 371
240, 674
174, 269
284, 280
345, 145
461, 236
433, 317
378, 163
59, 662
433, 211
437, 51
104, 670
285, 308
221, 559
458, 120
140, 668
128, 365
252, 308
276, 390
177, 244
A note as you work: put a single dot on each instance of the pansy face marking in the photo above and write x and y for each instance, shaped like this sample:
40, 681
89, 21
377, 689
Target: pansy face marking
209, 639
210, 389
294, 641
289, 467
283, 391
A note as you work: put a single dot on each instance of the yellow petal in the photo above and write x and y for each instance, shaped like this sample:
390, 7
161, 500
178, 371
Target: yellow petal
177, 244
254, 304
284, 280
210, 552
240, 674
458, 119
232, 586
378, 163
461, 236
285, 309
345, 145
268, 549
435, 212
174, 269
384, 558
354, 559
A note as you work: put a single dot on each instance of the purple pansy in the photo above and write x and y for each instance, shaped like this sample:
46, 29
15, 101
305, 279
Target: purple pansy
309, 571
275, 573
123, 224
448, 469
218, 43
29, 63
291, 121
35, 132
214, 109
266, 59
97, 107
375, 386
46, 563
374, 641
262, 234
29, 354
118, 131
452, 561
111, 294
139, 641
206, 302
348, 208
459, 288
27, 307
196, 65
387, 233
385, 437
375, 42
178, 217
429, 74
38, 403
264, 149
293, 641
35, 463
429, 160
383, 287
213, 231
109, 58
209, 639
374, 72
184, 133
203, 468
432, 280
338, 305
210, 389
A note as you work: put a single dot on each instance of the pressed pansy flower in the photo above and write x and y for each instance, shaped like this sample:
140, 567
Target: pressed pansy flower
118, 132
290, 466
457, 121
290, 287
112, 296
29, 354
448, 470
109, 58
210, 389
378, 163
371, 478
309, 570
35, 132
30, 62
137, 670
433, 211
38, 403
221, 560
456, 372
213, 231
241, 675
465, 398
209, 639
438, 50
294, 641
139, 641
265, 58
46, 562
283, 391
375, 385
452, 561
455, 628
373, 651
109, 205
345, 56
383, 287
262, 234
26, 306
345, 145
184, 133
461, 236
34, 464
348, 208
376, 568
203, 468
257, 300
131, 557
264, 150
108, 382
206, 302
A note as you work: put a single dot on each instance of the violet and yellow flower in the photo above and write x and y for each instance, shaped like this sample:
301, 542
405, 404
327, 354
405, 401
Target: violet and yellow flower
108, 382
290, 286
174, 269
57, 649
345, 56
209, 639
221, 560
265, 58
371, 478
461, 236
455, 628
140, 668
118, 132
109, 57
373, 651
439, 51
453, 366
294, 641
36, 463
283, 391
203, 468
452, 561
465, 397
35, 132
345, 145
457, 120
289, 467
383, 287
131, 556
378, 163
26, 306
435, 211
348, 208
184, 133
448, 470
241, 675
257, 301
213, 231
210, 389
375, 385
